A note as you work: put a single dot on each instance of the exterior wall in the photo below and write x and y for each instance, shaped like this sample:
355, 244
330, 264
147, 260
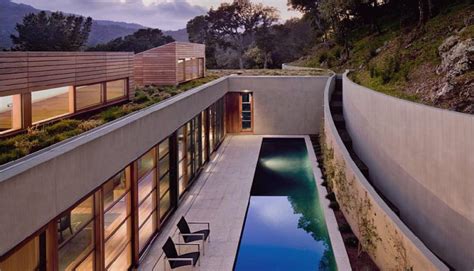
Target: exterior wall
24, 72
422, 159
159, 65
397, 248
37, 188
284, 105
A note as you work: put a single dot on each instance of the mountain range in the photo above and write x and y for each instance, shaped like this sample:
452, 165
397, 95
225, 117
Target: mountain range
102, 30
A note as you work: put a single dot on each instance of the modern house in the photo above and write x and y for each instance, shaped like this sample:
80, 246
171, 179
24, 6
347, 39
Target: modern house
37, 87
170, 64
109, 198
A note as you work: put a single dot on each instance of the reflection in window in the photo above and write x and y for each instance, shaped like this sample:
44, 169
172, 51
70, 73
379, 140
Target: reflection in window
87, 96
147, 197
116, 89
50, 103
76, 235
10, 113
115, 188
146, 163
117, 248
246, 108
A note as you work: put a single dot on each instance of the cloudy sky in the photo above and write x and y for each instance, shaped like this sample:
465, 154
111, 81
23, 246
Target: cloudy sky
164, 14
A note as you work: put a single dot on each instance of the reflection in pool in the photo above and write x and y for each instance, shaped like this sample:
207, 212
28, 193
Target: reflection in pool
285, 227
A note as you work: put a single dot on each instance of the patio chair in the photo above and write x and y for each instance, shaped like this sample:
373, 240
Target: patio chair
188, 236
175, 260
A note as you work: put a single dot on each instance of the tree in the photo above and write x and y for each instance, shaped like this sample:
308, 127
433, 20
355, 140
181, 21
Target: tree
265, 40
234, 25
198, 32
141, 40
54, 32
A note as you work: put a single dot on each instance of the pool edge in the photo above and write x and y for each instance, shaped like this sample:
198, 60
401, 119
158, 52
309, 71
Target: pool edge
339, 250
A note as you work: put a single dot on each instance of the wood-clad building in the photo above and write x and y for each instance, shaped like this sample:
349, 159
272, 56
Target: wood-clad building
36, 87
170, 64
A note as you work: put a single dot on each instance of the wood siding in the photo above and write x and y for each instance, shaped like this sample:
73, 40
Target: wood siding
232, 103
159, 66
24, 72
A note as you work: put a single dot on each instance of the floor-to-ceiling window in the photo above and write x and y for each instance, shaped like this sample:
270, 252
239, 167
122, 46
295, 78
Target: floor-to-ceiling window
147, 197
204, 136
76, 237
246, 111
164, 173
10, 113
117, 221
181, 159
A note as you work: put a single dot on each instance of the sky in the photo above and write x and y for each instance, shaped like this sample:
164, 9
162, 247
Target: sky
163, 14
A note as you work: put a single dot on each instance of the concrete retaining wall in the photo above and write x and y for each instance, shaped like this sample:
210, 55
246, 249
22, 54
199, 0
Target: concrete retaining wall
284, 105
396, 247
422, 159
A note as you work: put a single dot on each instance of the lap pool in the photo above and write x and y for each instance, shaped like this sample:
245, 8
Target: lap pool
284, 228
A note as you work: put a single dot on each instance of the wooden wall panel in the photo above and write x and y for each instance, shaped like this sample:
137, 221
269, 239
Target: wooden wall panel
232, 104
23, 72
160, 66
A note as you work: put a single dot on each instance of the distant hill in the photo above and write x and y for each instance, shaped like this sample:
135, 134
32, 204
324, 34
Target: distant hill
102, 30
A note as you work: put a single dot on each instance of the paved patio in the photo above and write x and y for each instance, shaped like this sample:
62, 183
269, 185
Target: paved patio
220, 196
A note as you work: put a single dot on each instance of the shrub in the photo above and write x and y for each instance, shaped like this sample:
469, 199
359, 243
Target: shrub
62, 126
89, 124
323, 57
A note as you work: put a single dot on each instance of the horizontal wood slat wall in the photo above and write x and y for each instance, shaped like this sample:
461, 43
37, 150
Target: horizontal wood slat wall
23, 72
159, 66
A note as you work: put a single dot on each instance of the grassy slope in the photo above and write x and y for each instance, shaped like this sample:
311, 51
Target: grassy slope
407, 57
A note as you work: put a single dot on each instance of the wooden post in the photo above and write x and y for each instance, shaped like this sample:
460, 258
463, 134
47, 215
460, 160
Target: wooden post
99, 231
132, 173
52, 246
22, 112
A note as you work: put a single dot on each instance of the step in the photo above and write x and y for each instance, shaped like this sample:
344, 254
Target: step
336, 107
345, 137
339, 120
360, 164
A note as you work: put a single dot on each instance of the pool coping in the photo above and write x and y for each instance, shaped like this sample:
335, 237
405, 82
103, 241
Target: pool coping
339, 250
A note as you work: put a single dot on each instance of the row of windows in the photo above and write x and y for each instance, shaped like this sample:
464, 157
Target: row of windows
96, 234
56, 102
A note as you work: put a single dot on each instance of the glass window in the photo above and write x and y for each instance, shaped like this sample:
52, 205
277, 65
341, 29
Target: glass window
165, 205
146, 185
146, 163
246, 108
50, 103
10, 113
76, 235
115, 188
164, 184
116, 89
146, 231
117, 248
116, 215
87, 96
25, 258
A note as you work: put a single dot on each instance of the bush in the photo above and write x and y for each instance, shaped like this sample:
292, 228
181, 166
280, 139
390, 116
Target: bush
62, 126
323, 57
89, 124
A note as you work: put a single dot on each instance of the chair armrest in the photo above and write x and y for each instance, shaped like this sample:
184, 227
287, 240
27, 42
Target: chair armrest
201, 223
198, 246
181, 260
192, 234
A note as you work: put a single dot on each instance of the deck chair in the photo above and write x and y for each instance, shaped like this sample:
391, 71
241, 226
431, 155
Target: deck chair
188, 236
176, 260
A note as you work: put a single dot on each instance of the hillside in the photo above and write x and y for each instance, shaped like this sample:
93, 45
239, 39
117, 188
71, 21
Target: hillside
433, 65
102, 30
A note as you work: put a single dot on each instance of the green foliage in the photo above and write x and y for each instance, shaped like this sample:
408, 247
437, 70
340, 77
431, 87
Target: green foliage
39, 137
141, 40
54, 32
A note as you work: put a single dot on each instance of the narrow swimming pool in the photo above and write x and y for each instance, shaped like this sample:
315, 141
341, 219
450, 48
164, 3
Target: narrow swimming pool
284, 227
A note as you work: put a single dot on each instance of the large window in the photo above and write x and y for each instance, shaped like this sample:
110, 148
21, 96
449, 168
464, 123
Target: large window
164, 173
117, 221
116, 89
203, 136
147, 197
76, 236
88, 96
50, 103
10, 113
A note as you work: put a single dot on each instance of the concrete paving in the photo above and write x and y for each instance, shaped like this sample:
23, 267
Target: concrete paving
220, 196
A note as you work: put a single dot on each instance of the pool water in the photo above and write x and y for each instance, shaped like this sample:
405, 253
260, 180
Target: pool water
284, 228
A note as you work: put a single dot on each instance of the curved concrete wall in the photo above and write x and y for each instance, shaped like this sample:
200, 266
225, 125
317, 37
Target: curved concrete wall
397, 248
422, 159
